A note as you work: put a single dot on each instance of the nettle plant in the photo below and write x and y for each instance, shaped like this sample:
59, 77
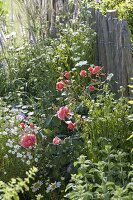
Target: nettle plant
110, 178
14, 187
107, 122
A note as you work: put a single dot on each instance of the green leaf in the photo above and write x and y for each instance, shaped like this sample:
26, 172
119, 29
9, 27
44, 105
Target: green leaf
130, 86
49, 120
130, 102
131, 136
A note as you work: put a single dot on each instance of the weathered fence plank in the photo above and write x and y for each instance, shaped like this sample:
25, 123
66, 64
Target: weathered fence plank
114, 47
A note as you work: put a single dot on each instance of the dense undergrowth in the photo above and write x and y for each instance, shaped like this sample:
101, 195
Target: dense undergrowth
58, 113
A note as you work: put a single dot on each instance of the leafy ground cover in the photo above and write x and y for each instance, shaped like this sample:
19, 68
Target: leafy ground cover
60, 120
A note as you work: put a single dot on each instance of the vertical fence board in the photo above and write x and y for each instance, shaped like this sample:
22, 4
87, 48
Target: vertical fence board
114, 48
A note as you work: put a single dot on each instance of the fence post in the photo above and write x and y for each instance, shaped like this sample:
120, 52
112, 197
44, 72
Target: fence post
114, 48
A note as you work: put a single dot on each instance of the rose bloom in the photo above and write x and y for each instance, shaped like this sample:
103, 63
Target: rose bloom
91, 88
63, 112
27, 140
56, 140
90, 69
31, 125
60, 85
22, 125
67, 75
94, 70
71, 125
83, 73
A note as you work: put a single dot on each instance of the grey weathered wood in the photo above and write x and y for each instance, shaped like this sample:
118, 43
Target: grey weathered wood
114, 47
112, 14
75, 13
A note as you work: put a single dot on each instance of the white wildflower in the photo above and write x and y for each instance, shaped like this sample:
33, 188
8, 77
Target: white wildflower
36, 186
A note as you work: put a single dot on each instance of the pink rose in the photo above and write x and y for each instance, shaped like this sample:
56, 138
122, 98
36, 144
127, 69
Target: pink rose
91, 88
27, 140
83, 73
31, 125
22, 125
60, 85
63, 112
90, 69
71, 125
95, 70
56, 140
67, 75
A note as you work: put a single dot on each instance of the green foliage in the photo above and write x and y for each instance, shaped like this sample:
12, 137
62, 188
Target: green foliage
110, 178
107, 122
3, 11
12, 189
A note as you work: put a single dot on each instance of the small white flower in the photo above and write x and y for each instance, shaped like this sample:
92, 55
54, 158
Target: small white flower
30, 157
28, 162
9, 145
36, 186
12, 131
48, 189
6, 156
13, 152
14, 110
28, 154
11, 123
10, 141
17, 146
21, 117
5, 133
7, 129
58, 184
19, 155
36, 159
15, 128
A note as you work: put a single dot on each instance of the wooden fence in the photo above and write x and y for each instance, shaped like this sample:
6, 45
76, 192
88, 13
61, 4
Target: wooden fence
113, 47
